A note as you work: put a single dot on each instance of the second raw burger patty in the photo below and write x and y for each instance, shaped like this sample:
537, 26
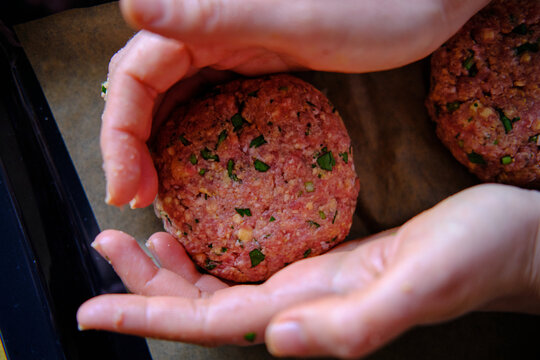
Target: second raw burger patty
255, 175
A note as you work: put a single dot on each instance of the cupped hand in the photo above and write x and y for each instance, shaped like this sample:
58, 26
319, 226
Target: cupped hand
249, 37
479, 249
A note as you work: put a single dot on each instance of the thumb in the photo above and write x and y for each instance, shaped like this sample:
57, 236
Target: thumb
232, 20
349, 35
350, 325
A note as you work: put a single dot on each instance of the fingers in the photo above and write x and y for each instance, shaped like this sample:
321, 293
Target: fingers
452, 259
172, 256
342, 326
150, 66
137, 270
172, 318
148, 183
352, 36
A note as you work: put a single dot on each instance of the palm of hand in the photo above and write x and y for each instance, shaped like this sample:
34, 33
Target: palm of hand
449, 260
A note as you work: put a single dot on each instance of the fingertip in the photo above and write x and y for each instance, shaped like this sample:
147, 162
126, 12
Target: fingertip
285, 338
138, 13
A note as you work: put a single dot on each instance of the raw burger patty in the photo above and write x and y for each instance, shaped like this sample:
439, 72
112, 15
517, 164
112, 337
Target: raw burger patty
485, 94
255, 175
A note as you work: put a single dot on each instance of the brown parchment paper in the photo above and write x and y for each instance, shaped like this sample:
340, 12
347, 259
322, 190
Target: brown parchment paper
403, 168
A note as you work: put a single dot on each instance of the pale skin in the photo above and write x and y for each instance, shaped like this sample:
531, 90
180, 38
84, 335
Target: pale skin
478, 250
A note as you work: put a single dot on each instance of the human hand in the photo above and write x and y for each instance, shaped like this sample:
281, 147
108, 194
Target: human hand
250, 38
479, 249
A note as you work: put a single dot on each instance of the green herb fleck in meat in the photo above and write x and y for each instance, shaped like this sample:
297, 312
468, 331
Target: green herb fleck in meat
272, 219
238, 122
521, 29
505, 160
310, 103
196, 221
312, 223
224, 249
469, 61
534, 138
243, 211
476, 158
531, 47
308, 127
258, 141
470, 65
221, 138
496, 142
334, 239
230, 168
103, 88
210, 265
322, 215
307, 252
253, 93
202, 172
334, 218
193, 159
163, 213
207, 155
453, 106
260, 166
250, 336
345, 157
460, 143
326, 161
309, 186
256, 257
283, 88
507, 123
184, 141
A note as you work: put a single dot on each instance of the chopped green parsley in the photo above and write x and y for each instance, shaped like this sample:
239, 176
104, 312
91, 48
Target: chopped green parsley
256, 257
476, 158
184, 141
272, 219
250, 336
258, 141
326, 161
230, 168
202, 172
507, 123
243, 211
334, 219
322, 214
193, 159
345, 157
307, 252
238, 122
221, 138
312, 223
207, 155
260, 166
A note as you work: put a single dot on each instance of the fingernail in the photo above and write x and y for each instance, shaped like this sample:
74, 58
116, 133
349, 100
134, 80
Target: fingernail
149, 244
142, 11
95, 245
108, 197
285, 338
133, 204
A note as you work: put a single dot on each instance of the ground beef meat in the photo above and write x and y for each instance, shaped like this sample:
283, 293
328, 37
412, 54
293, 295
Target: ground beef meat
485, 95
255, 175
